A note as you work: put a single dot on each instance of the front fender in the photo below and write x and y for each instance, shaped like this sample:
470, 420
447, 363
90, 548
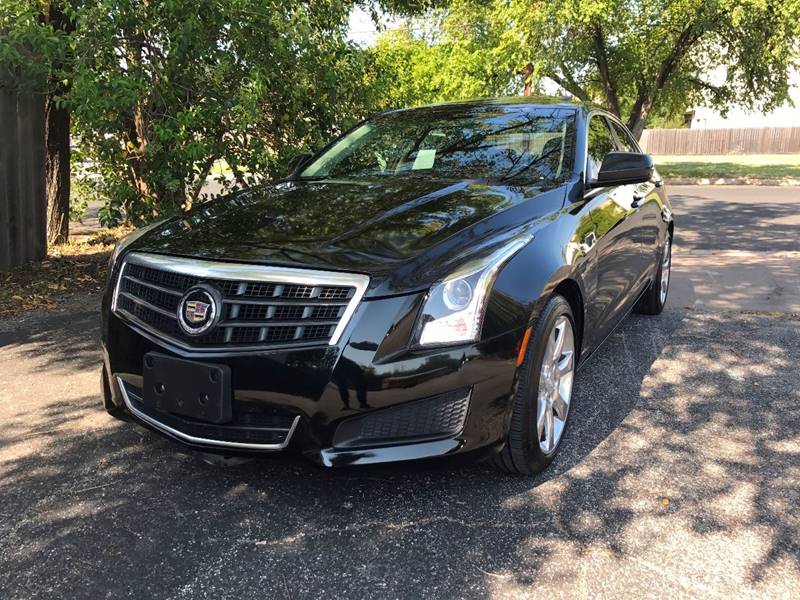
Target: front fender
556, 254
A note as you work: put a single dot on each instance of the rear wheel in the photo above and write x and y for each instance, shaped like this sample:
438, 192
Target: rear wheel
543, 395
654, 299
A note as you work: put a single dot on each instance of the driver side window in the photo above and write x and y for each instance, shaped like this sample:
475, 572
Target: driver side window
601, 142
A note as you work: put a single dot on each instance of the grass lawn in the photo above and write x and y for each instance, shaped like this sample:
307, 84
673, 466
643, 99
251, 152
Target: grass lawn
764, 166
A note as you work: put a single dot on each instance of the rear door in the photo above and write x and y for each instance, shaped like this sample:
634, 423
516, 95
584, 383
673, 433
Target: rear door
620, 261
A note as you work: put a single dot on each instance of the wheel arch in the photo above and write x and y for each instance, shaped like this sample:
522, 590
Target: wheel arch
529, 280
571, 291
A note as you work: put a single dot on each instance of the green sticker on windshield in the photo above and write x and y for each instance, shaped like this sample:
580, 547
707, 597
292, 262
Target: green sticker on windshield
424, 160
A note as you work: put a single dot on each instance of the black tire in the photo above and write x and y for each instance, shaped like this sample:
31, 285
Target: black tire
522, 454
653, 301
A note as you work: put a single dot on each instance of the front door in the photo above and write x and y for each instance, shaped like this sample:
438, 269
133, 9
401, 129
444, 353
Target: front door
649, 204
622, 263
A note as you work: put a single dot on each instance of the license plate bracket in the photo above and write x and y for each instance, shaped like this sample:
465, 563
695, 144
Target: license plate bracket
187, 388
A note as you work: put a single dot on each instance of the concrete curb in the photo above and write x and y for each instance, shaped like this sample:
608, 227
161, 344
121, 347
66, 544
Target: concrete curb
787, 182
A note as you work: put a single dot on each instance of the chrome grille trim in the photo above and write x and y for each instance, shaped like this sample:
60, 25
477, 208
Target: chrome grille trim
311, 290
279, 323
152, 285
202, 441
145, 303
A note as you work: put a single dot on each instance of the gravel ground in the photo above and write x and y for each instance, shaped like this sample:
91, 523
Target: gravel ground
680, 476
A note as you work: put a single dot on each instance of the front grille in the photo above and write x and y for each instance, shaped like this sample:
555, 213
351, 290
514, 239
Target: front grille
262, 307
427, 419
248, 427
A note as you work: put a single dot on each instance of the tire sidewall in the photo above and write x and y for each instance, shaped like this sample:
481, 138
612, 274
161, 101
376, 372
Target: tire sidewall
659, 305
556, 307
667, 240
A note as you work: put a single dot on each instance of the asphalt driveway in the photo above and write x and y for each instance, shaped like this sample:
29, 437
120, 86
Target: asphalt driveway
680, 475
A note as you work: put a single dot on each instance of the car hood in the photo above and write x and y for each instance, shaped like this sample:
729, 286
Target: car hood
403, 233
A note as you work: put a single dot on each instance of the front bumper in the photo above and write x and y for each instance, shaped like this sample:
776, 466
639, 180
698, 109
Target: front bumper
322, 398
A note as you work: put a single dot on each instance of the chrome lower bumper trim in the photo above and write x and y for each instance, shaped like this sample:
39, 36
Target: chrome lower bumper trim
202, 441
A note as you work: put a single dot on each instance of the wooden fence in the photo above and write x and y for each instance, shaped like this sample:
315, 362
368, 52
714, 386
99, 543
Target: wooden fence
751, 140
23, 208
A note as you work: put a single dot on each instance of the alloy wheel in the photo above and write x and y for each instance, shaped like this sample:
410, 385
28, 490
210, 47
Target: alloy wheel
555, 384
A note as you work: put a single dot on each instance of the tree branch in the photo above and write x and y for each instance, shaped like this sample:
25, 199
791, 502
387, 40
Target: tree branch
194, 191
717, 91
647, 93
567, 82
601, 55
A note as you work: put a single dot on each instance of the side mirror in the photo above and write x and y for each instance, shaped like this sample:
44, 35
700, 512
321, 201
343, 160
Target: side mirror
620, 168
297, 163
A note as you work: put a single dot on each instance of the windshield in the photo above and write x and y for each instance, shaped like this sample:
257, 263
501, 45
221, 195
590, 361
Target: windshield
520, 144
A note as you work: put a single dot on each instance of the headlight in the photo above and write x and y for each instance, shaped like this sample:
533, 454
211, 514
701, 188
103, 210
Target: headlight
128, 240
453, 312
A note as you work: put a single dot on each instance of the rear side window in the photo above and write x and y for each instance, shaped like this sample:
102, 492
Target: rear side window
601, 142
626, 143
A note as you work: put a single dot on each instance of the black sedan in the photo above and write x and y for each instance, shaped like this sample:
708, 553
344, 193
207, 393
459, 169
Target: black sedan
425, 285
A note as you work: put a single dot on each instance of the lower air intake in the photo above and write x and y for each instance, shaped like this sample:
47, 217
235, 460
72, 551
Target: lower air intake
430, 418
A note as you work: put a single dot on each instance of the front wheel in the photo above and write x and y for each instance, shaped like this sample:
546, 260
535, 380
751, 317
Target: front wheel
654, 299
543, 394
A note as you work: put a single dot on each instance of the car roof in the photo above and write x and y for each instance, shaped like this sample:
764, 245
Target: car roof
533, 101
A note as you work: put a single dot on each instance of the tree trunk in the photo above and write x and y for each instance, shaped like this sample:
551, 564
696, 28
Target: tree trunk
636, 125
527, 73
57, 171
648, 94
639, 113
637, 122
56, 135
609, 86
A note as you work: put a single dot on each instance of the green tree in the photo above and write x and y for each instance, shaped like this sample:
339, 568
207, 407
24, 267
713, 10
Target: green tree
452, 54
35, 55
163, 90
157, 92
639, 59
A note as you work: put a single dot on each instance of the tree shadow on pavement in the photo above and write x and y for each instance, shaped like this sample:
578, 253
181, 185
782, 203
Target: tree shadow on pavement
667, 409
68, 338
719, 226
